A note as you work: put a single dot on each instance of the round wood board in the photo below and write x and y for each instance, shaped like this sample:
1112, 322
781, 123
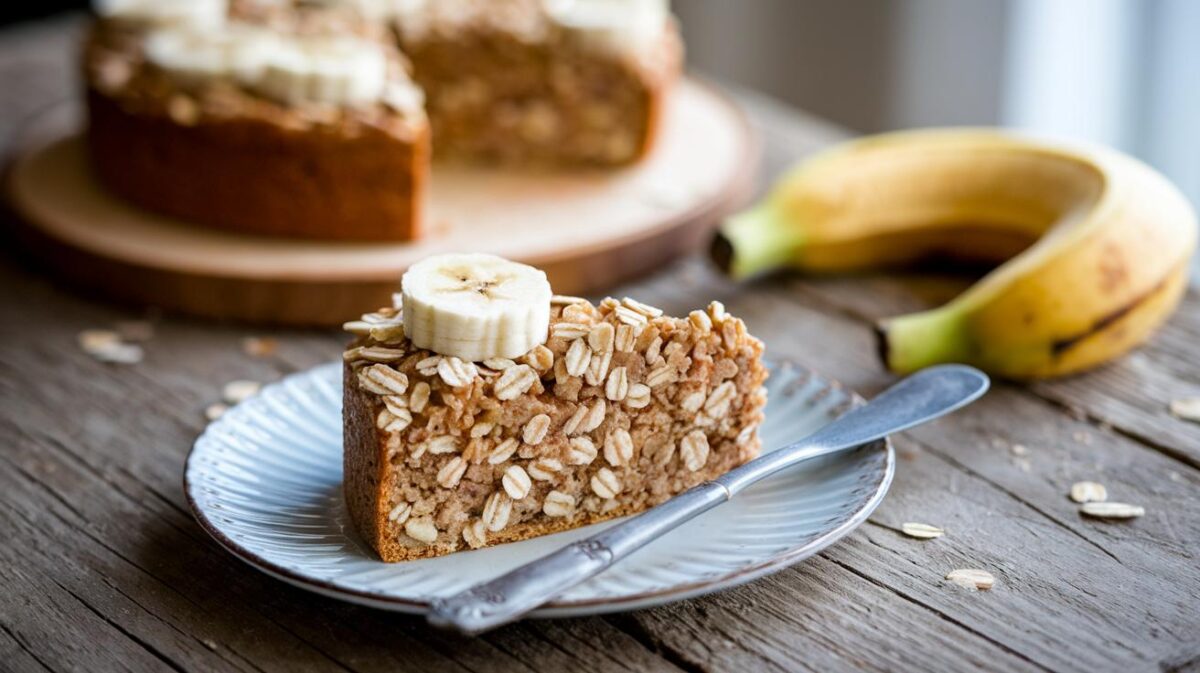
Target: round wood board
586, 229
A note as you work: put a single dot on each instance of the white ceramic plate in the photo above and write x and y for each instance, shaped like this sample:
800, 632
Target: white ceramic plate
265, 481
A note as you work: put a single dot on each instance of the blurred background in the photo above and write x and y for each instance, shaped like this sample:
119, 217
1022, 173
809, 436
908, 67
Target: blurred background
1122, 72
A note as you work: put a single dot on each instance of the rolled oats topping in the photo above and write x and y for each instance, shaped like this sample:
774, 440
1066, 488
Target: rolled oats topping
421, 529
442, 444
536, 429
624, 339
693, 448
540, 358
644, 309
597, 368
400, 513
558, 503
452, 472
579, 356
570, 330
638, 396
618, 448
429, 366
617, 387
381, 354
514, 382
575, 422
718, 401
605, 484
630, 317
566, 300
595, 416
716, 311
692, 402
419, 397
383, 380
700, 321
496, 511
582, 451
516, 482
654, 351
475, 534
602, 337
546, 469
503, 451
661, 376
498, 364
456, 373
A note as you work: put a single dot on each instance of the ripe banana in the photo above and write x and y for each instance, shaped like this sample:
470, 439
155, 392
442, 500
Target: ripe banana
293, 69
1093, 245
196, 13
475, 307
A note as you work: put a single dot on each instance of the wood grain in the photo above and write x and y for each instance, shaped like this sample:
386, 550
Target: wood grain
103, 568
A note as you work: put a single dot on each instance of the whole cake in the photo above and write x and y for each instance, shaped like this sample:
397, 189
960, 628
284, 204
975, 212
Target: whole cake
480, 409
317, 119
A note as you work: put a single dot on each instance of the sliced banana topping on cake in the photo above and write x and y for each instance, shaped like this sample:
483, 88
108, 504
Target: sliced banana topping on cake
475, 306
326, 69
292, 69
198, 13
615, 24
238, 51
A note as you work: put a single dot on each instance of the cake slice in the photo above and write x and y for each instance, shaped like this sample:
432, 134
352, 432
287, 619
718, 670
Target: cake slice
259, 118
581, 413
558, 82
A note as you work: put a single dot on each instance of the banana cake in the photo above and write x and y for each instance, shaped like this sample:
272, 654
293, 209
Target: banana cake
317, 118
480, 409
302, 123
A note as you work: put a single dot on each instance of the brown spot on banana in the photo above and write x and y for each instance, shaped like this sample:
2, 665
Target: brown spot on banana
1059, 347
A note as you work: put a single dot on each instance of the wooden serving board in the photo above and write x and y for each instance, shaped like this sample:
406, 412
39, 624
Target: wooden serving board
587, 230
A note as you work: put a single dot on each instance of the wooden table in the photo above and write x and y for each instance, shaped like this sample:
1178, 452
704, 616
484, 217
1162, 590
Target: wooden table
102, 567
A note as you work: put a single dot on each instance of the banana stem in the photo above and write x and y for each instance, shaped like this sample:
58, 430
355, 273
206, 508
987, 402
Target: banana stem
911, 342
756, 241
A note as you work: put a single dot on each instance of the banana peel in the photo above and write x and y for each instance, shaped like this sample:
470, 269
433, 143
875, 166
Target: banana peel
1093, 246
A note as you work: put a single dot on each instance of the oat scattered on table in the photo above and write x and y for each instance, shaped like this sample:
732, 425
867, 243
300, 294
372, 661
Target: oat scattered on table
215, 410
971, 578
260, 347
1112, 510
107, 346
1088, 491
1019, 450
921, 531
235, 392
1187, 409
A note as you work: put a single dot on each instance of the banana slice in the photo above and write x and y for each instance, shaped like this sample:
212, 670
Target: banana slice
195, 13
475, 307
325, 69
291, 69
194, 55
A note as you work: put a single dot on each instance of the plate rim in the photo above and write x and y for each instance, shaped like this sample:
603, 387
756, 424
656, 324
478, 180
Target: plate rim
560, 608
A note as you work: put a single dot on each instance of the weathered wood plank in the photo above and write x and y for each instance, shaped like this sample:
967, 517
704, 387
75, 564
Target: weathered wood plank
121, 467
1076, 579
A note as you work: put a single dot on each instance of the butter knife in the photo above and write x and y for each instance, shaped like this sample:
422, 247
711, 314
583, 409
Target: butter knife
922, 397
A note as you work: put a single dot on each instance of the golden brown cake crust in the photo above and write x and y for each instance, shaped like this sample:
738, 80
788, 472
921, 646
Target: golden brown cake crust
678, 400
